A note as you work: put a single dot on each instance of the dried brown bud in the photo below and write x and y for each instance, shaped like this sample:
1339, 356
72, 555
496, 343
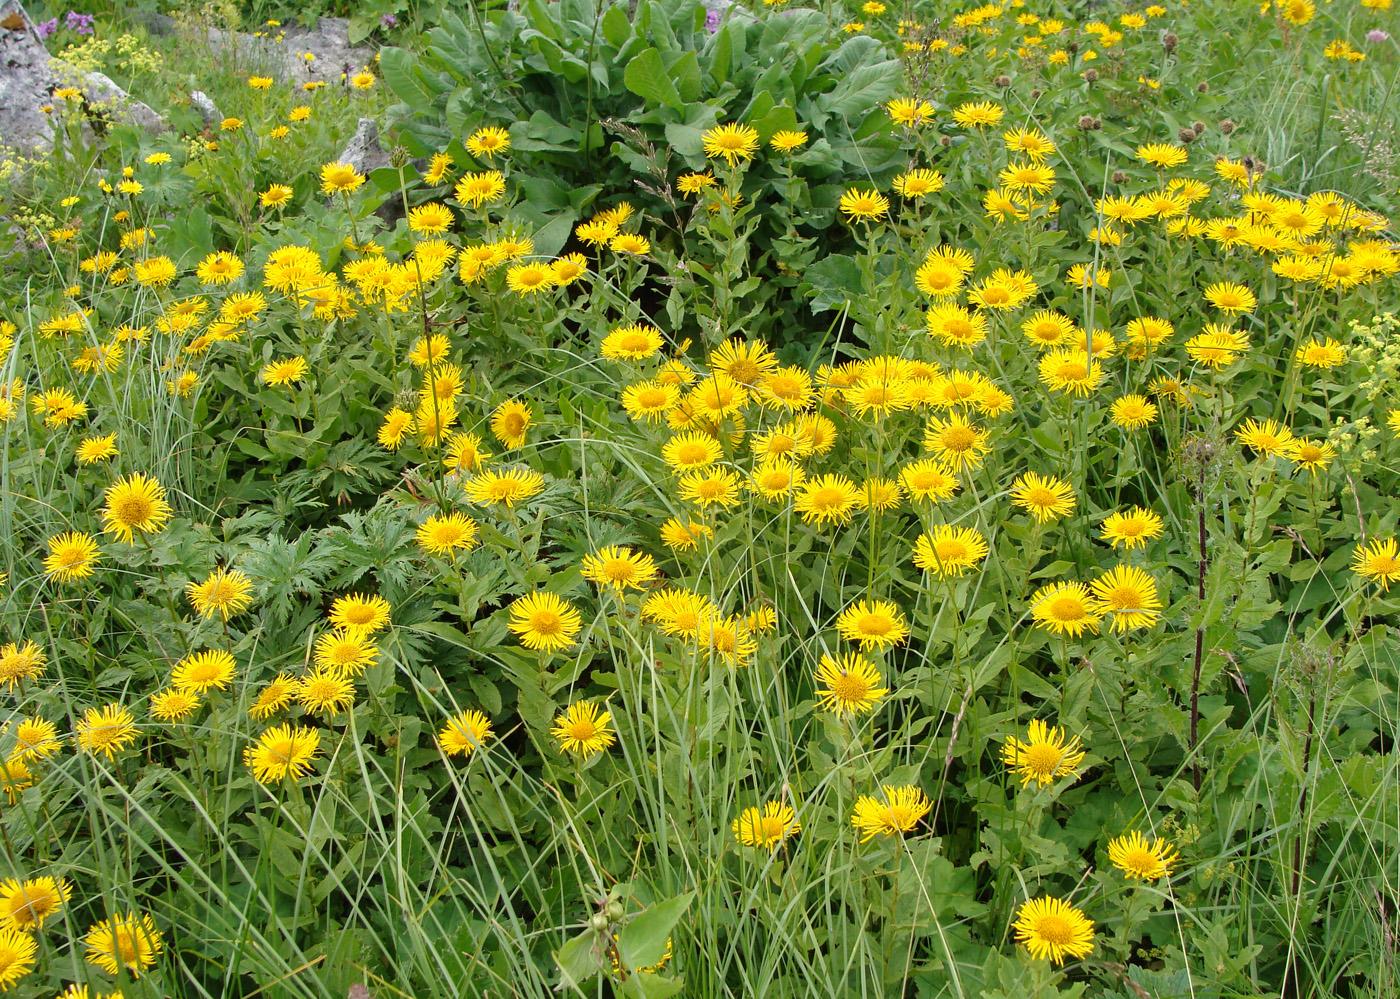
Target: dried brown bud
1198, 127
1203, 87
1226, 126
1003, 81
1169, 41
1091, 76
1086, 122
1119, 177
1186, 136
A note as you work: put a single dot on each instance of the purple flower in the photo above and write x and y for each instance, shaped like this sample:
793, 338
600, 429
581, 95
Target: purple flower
79, 23
46, 28
1377, 35
388, 20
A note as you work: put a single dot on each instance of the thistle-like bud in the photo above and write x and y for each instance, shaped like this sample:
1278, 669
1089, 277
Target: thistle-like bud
1091, 76
1226, 126
1169, 41
398, 157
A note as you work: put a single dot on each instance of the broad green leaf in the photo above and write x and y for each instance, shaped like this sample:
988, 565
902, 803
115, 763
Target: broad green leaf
646, 76
642, 942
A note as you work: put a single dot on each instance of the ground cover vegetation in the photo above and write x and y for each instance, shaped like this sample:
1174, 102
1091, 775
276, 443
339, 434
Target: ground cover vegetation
843, 500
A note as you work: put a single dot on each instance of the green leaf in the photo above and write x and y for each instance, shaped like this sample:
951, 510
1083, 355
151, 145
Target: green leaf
579, 959
649, 986
642, 942
646, 76
402, 74
616, 28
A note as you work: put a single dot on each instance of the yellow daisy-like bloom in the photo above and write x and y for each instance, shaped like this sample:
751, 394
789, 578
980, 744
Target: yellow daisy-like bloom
136, 503
154, 272
1133, 412
281, 752
347, 651
71, 556
583, 729
430, 219
569, 268
283, 371
325, 692
1045, 756
530, 278
174, 704
445, 534
1140, 859
684, 536
896, 812
15, 778
787, 140
632, 343
630, 243
765, 828
398, 424
978, 114
225, 592
948, 551
488, 142
340, 178
691, 450
1297, 12
776, 478
1044, 497
956, 441
1311, 455
863, 205
1047, 329
275, 196
36, 739
649, 400
1070, 371
928, 479
20, 662
1161, 155
1229, 298
1128, 597
1378, 562
1054, 929
507, 488
368, 613
276, 694
95, 449
464, 733
881, 494
827, 499
477, 189
692, 184
619, 567
1322, 354
918, 183
545, 622
679, 612
849, 685
873, 624
1065, 608
18, 952
511, 423
1131, 528
1265, 438
909, 112
106, 731
219, 268
744, 362
27, 905
200, 672
732, 142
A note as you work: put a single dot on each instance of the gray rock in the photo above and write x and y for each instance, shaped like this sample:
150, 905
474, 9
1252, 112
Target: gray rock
363, 151
207, 109
283, 55
26, 82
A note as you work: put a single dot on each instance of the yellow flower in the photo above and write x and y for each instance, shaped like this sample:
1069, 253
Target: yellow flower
545, 622
1045, 755
1132, 528
1142, 860
340, 178
26, 906
1044, 497
464, 733
619, 567
445, 534
848, 685
1055, 929
948, 551
873, 624
280, 752
732, 142
787, 140
511, 422
106, 731
1066, 609
200, 672
17, 956
896, 812
488, 142
765, 828
225, 592
863, 205
1128, 597
72, 556
583, 729
136, 503
1378, 562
